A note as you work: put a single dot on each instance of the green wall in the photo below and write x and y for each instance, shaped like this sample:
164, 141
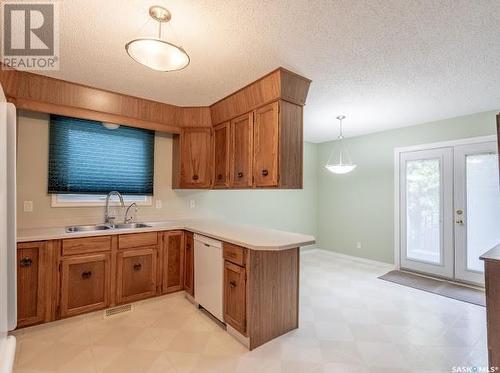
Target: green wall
359, 207
289, 210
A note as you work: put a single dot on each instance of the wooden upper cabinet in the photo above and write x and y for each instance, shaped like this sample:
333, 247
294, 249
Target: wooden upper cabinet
194, 158
136, 277
173, 261
189, 263
85, 283
31, 276
242, 151
221, 155
266, 146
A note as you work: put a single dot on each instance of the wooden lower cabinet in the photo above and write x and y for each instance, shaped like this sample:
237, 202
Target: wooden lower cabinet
31, 274
235, 296
85, 283
173, 261
136, 274
189, 263
492, 285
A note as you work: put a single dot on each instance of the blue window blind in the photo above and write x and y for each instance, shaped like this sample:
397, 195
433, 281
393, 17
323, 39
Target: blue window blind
85, 157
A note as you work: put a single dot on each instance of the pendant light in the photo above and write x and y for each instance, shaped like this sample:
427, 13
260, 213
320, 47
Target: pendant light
155, 53
339, 161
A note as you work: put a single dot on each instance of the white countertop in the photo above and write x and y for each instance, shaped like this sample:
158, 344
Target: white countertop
252, 237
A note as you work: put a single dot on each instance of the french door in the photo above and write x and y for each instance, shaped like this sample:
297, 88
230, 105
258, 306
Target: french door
449, 209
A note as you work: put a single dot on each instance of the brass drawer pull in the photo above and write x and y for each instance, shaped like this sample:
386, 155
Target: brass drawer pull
219, 176
232, 284
195, 177
137, 267
26, 262
265, 172
240, 174
86, 275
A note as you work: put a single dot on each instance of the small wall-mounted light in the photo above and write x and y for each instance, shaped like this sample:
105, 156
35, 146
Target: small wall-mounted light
110, 126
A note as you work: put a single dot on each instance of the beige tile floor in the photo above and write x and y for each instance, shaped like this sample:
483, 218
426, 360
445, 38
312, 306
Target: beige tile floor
349, 322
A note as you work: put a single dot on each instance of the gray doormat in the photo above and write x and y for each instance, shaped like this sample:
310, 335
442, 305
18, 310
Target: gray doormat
440, 287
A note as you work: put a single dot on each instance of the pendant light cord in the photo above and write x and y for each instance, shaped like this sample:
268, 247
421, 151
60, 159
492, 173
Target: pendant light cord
341, 136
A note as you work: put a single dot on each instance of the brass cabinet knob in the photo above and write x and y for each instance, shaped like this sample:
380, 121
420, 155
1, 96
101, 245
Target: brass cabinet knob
265, 172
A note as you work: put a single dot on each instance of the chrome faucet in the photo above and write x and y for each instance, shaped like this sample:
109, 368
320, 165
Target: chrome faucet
126, 219
111, 219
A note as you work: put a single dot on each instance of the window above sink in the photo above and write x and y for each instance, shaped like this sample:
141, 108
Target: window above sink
90, 200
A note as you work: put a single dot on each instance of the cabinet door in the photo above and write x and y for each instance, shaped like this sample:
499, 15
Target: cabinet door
173, 261
189, 263
85, 283
266, 137
242, 151
221, 155
136, 277
196, 155
31, 273
235, 296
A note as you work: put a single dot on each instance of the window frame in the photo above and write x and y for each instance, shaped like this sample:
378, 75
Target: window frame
99, 201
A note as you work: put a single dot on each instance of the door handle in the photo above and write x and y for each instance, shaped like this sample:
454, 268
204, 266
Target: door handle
137, 267
232, 284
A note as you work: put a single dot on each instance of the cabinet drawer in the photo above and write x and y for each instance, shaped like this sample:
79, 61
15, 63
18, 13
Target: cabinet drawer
86, 245
234, 254
127, 241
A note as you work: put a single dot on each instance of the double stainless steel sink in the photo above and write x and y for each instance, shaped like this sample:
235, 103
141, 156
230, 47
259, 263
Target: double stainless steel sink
103, 227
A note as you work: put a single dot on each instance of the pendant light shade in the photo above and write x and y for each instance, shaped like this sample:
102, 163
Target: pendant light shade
155, 53
339, 161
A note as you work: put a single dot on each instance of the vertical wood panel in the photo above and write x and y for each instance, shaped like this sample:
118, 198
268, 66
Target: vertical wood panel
291, 146
273, 286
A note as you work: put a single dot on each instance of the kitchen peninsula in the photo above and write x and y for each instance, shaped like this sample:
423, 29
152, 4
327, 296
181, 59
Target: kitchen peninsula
64, 274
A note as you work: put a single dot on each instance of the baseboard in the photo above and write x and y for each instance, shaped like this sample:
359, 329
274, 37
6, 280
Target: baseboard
351, 258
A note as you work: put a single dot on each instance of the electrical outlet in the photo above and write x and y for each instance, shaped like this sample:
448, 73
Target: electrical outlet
158, 203
358, 245
192, 203
28, 206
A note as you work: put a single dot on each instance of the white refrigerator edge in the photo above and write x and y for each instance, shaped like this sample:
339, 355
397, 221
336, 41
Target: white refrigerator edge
8, 300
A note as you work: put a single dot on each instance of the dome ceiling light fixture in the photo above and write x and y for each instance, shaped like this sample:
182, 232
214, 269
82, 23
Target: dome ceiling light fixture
155, 53
339, 161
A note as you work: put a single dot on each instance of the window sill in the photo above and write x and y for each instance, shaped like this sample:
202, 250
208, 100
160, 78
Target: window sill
99, 202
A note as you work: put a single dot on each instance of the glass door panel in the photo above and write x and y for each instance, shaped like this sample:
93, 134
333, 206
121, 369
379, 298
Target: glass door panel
426, 211
477, 208
423, 210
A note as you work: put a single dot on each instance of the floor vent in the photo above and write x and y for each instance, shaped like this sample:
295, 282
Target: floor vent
117, 310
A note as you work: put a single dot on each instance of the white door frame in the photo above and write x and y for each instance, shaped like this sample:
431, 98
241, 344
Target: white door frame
445, 267
397, 197
462, 273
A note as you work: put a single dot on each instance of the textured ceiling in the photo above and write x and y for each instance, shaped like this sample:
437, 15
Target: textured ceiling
383, 63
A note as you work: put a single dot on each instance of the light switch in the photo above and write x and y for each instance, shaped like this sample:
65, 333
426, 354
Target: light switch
158, 204
358, 245
28, 206
192, 203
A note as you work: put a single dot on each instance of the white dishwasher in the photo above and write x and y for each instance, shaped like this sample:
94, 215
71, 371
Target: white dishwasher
208, 274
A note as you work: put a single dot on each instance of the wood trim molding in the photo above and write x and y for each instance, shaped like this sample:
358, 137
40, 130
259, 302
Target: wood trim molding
278, 84
49, 95
41, 93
